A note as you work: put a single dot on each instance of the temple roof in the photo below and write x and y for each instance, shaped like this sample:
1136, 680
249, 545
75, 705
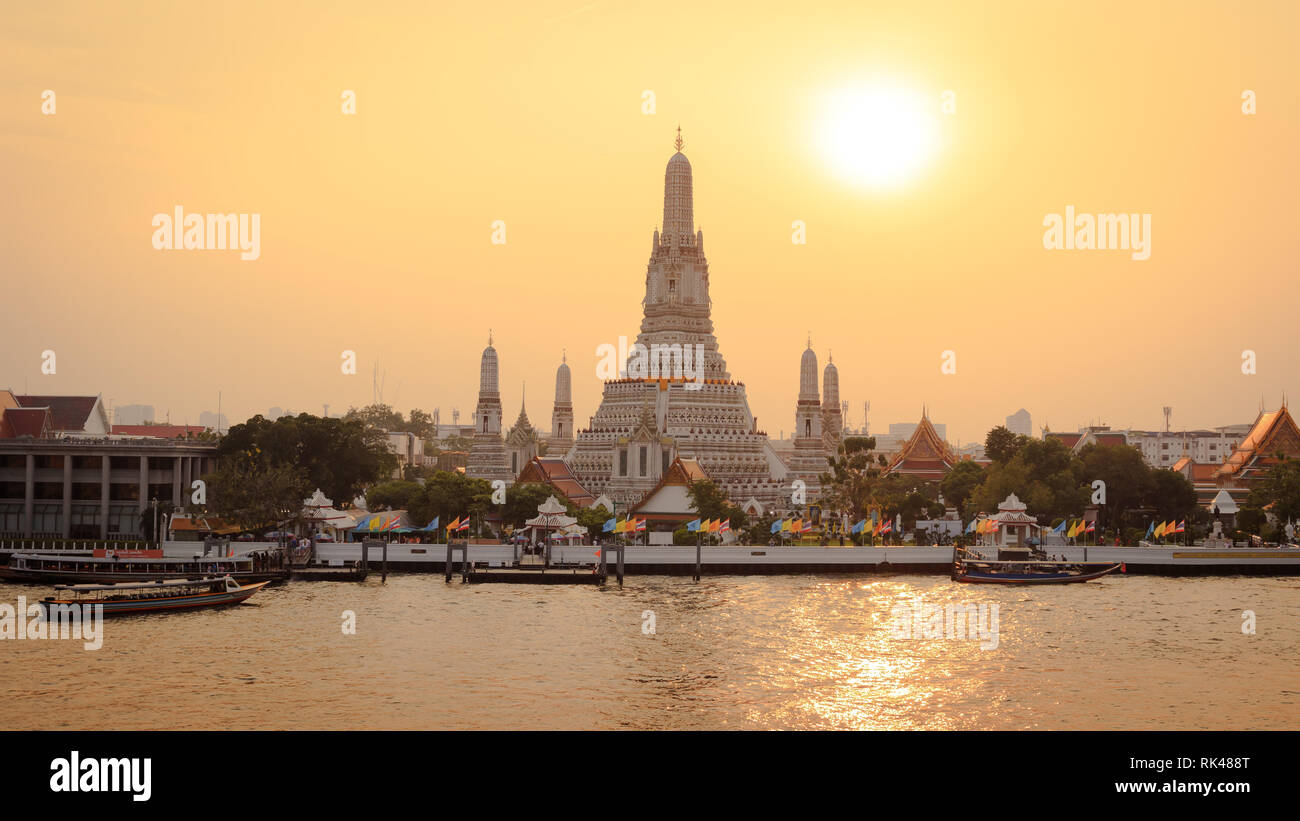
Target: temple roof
681, 472
1273, 432
554, 471
924, 454
66, 412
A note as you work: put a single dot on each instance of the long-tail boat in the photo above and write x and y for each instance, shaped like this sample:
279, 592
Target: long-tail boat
975, 570
148, 597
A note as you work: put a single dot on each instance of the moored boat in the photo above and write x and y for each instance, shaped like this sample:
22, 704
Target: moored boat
147, 597
78, 568
974, 570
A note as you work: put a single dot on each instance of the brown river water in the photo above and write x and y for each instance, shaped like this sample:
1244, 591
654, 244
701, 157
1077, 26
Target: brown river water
751, 652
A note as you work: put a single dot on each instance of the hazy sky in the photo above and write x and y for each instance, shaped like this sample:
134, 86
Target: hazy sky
376, 227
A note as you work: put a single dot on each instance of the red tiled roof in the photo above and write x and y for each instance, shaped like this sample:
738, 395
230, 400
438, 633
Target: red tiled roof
1272, 432
34, 422
554, 471
67, 412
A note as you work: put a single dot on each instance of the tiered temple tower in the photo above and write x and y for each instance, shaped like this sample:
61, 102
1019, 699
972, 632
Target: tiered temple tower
809, 459
644, 422
561, 440
521, 441
832, 411
487, 453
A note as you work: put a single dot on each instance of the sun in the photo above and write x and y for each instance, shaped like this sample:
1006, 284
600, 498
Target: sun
878, 136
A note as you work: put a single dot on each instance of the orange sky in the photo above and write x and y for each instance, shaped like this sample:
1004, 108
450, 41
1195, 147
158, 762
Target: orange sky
375, 228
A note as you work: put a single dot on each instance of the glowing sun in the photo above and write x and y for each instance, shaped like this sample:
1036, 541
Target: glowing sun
878, 136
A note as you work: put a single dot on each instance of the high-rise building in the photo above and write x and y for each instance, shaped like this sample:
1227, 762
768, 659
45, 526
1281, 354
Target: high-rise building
1020, 423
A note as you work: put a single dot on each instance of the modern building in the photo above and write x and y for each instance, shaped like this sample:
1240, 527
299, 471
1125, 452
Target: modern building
63, 476
1020, 423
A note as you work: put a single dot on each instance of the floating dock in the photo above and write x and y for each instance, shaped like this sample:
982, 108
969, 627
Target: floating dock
673, 560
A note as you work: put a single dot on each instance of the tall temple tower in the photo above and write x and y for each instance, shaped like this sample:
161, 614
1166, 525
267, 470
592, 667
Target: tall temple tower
809, 459
677, 305
832, 411
487, 452
643, 422
562, 415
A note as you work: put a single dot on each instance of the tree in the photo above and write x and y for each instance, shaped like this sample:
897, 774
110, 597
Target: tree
1170, 495
1280, 487
339, 456
709, 501
394, 495
1001, 444
1042, 473
251, 493
854, 474
959, 483
1126, 474
448, 495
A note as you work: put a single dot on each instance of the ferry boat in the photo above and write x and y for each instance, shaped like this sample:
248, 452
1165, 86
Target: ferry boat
148, 597
968, 567
79, 568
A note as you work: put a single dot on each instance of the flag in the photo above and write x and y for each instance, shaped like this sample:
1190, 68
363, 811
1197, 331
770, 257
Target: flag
693, 526
715, 526
888, 528
1160, 530
1151, 529
609, 526
796, 526
785, 525
726, 526
857, 527
1181, 526
970, 528
434, 524
776, 525
455, 523
620, 526
875, 528
1060, 529
1091, 528
807, 526
464, 524
640, 525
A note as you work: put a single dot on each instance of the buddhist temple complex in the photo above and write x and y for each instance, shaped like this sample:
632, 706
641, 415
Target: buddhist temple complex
690, 419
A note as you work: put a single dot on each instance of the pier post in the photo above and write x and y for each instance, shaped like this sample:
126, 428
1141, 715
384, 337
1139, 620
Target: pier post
383, 573
447, 577
365, 556
620, 565
697, 560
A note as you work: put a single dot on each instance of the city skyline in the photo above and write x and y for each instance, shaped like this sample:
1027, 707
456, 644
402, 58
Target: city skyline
377, 227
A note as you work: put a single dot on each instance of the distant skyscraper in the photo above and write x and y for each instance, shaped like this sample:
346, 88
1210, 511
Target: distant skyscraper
209, 419
1019, 423
133, 414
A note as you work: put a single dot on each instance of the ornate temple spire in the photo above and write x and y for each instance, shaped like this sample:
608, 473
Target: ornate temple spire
808, 376
489, 369
678, 144
679, 216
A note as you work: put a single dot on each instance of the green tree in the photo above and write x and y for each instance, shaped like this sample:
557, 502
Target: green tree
448, 495
1001, 444
339, 456
959, 483
854, 473
252, 493
1280, 487
1127, 477
1170, 495
394, 495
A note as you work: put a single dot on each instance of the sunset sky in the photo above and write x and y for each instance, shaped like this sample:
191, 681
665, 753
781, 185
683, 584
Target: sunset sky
376, 227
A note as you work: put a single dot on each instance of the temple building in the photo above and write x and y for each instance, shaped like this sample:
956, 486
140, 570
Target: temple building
561, 440
1274, 434
522, 440
925, 455
487, 452
692, 409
